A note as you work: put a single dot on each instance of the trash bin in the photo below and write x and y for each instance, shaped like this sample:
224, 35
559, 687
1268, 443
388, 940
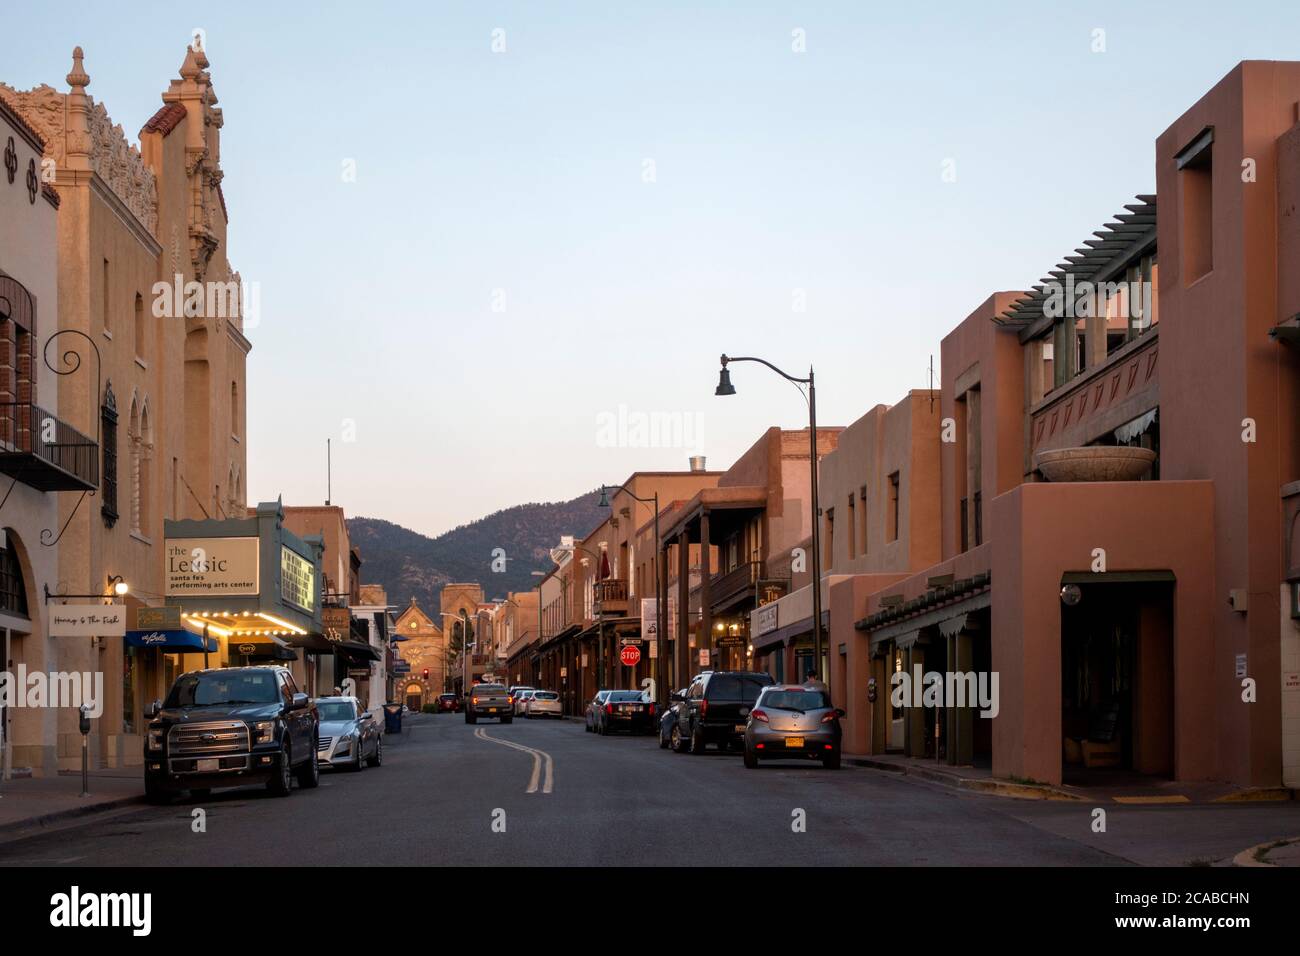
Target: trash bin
392, 718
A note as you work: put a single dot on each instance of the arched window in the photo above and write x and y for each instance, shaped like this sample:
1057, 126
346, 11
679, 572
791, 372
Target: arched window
13, 590
108, 480
141, 439
141, 330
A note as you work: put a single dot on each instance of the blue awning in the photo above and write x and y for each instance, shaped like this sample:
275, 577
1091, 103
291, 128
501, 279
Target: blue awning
170, 640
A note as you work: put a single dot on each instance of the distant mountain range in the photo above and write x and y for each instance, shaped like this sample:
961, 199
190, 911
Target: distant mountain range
409, 564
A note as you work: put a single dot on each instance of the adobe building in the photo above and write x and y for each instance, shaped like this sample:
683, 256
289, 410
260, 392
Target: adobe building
1119, 497
744, 531
169, 412
879, 498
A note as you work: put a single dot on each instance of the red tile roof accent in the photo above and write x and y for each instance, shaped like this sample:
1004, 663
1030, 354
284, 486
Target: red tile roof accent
165, 120
10, 112
51, 195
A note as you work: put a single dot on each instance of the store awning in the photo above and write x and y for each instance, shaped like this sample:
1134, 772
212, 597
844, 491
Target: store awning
357, 651
178, 640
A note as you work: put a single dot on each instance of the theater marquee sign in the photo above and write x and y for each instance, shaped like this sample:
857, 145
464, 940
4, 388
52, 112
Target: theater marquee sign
210, 567
297, 580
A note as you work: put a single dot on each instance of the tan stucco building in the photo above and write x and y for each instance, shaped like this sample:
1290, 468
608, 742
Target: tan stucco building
168, 396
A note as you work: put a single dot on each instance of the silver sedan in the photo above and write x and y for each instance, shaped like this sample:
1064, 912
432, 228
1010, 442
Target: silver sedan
793, 723
348, 736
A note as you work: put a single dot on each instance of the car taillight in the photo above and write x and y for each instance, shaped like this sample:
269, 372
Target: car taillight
828, 717
759, 715
609, 708
652, 710
510, 700
473, 700
704, 707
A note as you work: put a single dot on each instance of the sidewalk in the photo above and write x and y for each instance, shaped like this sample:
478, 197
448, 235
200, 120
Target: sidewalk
36, 802
1120, 788
1276, 853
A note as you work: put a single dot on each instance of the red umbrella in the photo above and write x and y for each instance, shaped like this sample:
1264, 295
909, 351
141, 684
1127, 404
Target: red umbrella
603, 573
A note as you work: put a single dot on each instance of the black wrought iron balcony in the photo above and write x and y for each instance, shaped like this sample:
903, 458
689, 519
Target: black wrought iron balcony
44, 452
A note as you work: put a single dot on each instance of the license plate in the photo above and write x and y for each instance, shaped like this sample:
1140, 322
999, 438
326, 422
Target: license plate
210, 765
492, 710
739, 728
794, 742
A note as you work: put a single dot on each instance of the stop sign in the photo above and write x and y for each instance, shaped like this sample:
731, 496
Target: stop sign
630, 655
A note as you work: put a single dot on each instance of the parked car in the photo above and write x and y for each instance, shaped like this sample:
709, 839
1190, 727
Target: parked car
449, 704
669, 717
593, 708
715, 709
489, 700
348, 736
517, 690
793, 722
522, 697
629, 710
544, 703
228, 727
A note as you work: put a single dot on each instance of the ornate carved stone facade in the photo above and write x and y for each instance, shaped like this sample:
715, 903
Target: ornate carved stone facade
117, 162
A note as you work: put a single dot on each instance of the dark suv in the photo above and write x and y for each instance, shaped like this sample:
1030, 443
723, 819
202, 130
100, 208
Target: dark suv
715, 709
229, 727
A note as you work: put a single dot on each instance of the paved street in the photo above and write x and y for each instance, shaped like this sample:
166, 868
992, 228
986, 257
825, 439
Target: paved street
617, 800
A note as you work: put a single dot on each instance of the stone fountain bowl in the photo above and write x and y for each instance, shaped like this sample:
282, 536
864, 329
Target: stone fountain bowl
1095, 463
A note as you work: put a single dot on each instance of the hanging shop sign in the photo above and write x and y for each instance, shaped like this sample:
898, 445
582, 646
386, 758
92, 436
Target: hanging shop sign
157, 619
297, 580
210, 567
769, 590
87, 620
767, 618
336, 623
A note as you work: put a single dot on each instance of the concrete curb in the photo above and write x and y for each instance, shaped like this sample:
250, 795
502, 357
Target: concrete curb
1247, 857
60, 816
997, 788
1257, 795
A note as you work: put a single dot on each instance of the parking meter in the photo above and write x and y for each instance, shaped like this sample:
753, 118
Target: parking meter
83, 724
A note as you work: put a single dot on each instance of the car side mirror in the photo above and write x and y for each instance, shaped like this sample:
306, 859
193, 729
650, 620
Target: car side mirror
839, 712
153, 710
300, 702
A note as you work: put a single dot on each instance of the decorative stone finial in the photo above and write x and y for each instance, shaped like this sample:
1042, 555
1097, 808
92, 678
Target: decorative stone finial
77, 78
191, 69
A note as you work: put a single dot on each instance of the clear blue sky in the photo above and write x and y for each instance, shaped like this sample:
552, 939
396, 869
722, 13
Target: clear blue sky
522, 171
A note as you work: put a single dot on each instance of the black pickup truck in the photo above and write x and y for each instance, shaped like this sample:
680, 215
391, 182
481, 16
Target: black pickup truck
230, 727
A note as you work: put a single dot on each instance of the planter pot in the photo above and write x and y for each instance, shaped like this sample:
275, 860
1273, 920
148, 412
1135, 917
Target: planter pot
1095, 463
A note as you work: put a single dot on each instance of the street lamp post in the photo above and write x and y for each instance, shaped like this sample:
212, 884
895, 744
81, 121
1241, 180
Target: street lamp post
726, 388
661, 680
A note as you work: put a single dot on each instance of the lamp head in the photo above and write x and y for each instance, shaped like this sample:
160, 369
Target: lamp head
604, 498
724, 380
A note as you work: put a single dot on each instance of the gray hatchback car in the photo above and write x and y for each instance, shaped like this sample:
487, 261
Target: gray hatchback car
793, 722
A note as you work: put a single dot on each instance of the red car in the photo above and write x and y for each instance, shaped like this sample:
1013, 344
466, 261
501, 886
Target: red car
449, 704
